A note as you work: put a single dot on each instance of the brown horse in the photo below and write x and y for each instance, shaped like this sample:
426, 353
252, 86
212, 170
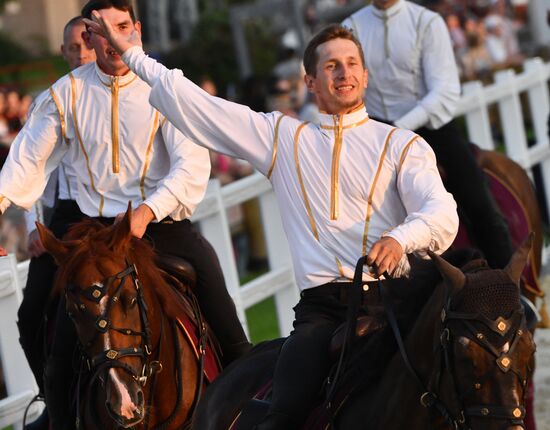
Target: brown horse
469, 351
515, 196
132, 327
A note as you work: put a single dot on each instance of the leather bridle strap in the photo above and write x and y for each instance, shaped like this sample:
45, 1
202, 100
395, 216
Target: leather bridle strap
428, 399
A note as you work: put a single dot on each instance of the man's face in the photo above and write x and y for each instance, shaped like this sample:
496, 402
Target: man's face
74, 49
383, 4
106, 57
341, 77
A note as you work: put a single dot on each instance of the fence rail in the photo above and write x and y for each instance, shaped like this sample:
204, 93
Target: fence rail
474, 106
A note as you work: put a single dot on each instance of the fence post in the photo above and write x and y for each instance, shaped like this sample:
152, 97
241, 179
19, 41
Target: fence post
278, 256
19, 380
477, 119
539, 106
511, 120
215, 228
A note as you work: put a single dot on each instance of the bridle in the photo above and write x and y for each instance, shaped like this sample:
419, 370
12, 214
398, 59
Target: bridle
110, 358
513, 414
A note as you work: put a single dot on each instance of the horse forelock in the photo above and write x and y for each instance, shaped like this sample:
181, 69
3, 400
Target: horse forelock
93, 249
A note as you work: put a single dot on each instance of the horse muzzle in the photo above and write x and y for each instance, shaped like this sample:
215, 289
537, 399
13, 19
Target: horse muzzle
125, 400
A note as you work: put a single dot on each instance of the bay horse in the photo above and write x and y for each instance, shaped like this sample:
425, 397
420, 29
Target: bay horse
468, 351
145, 357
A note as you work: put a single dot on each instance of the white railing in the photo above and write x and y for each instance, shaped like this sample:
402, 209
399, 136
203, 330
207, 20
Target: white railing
279, 280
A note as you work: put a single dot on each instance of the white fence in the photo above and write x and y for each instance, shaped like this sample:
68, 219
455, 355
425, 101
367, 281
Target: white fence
279, 281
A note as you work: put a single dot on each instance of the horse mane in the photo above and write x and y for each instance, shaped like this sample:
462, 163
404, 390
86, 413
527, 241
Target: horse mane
93, 239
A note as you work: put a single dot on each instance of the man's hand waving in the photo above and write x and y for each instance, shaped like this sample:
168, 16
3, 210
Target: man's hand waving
119, 41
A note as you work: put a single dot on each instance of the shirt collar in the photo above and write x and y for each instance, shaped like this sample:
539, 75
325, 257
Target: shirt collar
108, 79
349, 120
391, 11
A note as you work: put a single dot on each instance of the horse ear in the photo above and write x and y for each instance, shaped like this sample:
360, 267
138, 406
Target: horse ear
454, 276
122, 232
519, 259
57, 248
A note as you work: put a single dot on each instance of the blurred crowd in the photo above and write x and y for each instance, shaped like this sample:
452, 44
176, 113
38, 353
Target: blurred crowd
485, 34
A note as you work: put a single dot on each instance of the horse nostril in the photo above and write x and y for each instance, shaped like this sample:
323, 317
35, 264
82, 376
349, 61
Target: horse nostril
140, 397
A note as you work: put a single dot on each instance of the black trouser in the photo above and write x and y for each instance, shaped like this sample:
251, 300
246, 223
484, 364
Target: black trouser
467, 183
36, 306
304, 361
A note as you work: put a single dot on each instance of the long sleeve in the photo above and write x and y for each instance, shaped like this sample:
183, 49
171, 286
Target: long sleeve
432, 220
440, 76
211, 122
185, 185
34, 154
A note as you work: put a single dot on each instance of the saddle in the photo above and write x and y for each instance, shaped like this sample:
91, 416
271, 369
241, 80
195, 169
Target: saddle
179, 269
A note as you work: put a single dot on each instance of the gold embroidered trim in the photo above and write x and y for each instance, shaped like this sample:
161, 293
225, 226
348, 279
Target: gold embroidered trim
275, 143
371, 193
405, 152
335, 171
61, 116
108, 84
114, 125
148, 154
164, 120
340, 268
347, 127
79, 138
301, 181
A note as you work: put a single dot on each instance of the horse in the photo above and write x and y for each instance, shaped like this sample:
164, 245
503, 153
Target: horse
515, 196
464, 363
143, 341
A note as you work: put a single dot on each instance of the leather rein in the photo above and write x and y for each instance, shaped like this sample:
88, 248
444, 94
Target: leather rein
429, 399
515, 414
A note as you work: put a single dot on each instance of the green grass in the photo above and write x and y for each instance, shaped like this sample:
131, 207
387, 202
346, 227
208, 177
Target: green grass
262, 321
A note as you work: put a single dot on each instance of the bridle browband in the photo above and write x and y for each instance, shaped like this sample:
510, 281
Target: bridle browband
515, 414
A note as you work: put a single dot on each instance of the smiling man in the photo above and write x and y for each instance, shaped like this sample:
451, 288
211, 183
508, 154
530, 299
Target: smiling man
98, 119
348, 186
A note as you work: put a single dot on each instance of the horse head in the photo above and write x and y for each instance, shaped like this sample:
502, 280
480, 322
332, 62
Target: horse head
107, 304
486, 351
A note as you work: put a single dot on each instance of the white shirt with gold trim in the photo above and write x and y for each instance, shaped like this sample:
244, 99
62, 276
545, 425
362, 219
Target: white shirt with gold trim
413, 77
341, 184
121, 148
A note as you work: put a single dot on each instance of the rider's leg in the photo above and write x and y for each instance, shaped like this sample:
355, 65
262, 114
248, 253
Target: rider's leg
303, 363
466, 181
182, 239
37, 293
59, 376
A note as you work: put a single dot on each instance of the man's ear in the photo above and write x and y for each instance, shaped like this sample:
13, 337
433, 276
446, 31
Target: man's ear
86, 38
137, 26
366, 77
310, 83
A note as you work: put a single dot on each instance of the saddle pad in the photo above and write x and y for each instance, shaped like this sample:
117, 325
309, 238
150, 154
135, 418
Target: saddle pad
211, 368
518, 225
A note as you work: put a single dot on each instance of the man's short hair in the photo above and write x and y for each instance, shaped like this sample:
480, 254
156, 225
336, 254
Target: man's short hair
334, 31
124, 5
72, 22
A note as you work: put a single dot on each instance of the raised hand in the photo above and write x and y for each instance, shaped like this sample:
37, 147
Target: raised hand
118, 40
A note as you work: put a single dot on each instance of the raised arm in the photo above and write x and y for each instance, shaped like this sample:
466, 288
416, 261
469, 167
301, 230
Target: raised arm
209, 121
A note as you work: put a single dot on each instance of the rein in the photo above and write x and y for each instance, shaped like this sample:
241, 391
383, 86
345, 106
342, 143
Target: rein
515, 414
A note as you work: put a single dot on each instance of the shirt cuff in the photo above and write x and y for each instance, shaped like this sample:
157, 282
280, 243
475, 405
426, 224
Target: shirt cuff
413, 236
162, 203
414, 119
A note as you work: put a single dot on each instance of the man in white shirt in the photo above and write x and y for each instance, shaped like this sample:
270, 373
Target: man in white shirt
347, 186
122, 149
414, 84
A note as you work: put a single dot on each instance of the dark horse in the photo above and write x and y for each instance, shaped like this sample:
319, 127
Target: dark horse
470, 358
143, 368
